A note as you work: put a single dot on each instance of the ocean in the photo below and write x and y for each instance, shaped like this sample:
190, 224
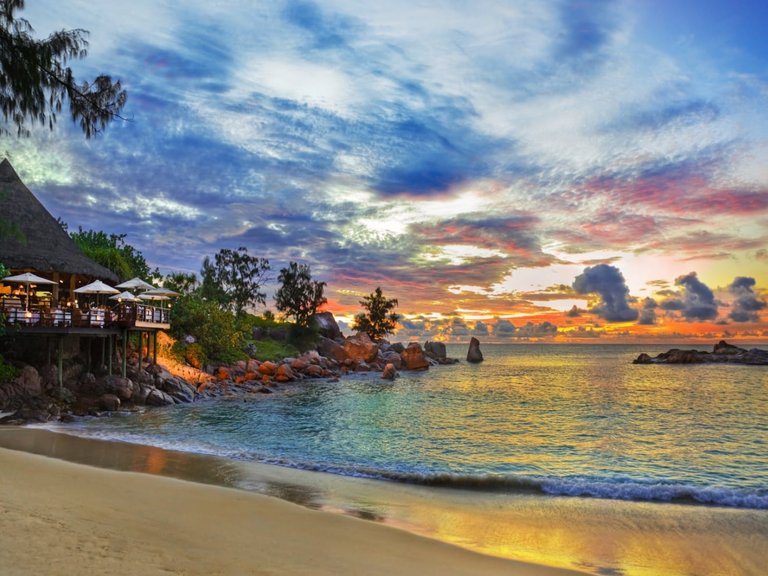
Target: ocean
537, 434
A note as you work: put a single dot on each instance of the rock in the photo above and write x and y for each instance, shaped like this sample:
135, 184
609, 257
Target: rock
643, 359
721, 353
413, 357
328, 327
331, 349
390, 372
474, 354
361, 348
314, 371
88, 386
397, 347
284, 373
252, 366
394, 358
435, 350
109, 402
178, 389
158, 398
267, 368
123, 388
299, 364
30, 382
723, 347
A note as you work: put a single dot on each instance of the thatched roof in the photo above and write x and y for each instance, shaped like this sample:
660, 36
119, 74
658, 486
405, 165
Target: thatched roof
44, 245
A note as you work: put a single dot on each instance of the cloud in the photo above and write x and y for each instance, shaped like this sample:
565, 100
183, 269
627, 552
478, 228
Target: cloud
696, 302
503, 329
746, 304
648, 312
609, 283
481, 329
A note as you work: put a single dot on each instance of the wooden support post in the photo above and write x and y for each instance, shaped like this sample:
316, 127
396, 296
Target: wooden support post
110, 339
60, 362
154, 347
124, 371
141, 349
103, 353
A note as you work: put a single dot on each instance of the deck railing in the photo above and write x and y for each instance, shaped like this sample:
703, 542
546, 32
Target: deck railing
125, 315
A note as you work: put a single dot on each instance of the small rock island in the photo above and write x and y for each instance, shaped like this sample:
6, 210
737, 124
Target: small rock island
722, 353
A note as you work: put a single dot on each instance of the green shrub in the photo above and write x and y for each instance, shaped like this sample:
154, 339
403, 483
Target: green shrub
7, 372
214, 330
268, 349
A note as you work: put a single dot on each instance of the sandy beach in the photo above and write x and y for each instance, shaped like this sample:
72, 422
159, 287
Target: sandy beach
57, 517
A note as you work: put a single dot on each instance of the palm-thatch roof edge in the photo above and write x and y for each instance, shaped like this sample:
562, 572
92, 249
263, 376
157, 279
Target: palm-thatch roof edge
41, 243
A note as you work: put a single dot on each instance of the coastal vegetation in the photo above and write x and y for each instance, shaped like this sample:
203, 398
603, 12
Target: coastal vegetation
378, 320
35, 80
114, 253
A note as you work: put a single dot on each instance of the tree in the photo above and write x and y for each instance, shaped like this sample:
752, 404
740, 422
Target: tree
35, 79
184, 284
112, 252
234, 280
299, 296
379, 320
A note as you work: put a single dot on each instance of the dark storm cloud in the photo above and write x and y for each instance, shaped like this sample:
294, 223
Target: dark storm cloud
746, 304
503, 329
648, 312
696, 302
608, 282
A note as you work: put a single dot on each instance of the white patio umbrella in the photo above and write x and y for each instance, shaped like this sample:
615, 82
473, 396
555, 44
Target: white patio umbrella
97, 287
28, 278
161, 292
135, 284
125, 297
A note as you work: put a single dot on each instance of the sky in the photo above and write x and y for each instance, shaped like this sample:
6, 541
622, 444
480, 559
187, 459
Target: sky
516, 170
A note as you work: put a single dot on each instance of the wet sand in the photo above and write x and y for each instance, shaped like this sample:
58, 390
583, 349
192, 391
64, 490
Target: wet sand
593, 536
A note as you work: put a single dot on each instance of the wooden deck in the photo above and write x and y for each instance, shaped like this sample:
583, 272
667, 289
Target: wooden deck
92, 322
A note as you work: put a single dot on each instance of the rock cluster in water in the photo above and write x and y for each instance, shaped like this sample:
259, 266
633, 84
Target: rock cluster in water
722, 353
36, 396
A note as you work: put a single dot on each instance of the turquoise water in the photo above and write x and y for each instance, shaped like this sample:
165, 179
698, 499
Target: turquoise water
555, 419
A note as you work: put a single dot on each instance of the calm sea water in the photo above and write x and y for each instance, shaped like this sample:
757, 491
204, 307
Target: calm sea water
556, 419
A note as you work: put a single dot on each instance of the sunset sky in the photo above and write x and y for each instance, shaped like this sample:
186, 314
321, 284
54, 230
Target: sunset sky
512, 169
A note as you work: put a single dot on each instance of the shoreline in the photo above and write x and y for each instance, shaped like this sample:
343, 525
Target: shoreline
56, 515
580, 535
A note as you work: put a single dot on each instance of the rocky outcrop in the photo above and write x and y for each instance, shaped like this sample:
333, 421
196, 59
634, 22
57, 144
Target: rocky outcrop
328, 327
331, 349
474, 354
435, 350
721, 353
360, 348
389, 372
414, 358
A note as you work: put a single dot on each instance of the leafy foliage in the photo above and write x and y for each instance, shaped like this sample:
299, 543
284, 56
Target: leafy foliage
3, 273
378, 320
299, 296
35, 79
180, 282
234, 279
112, 252
215, 333
7, 371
